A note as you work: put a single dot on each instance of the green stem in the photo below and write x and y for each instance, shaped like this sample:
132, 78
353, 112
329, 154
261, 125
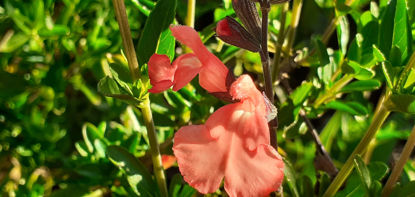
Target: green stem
154, 147
295, 18
280, 42
331, 93
190, 18
397, 170
121, 15
379, 118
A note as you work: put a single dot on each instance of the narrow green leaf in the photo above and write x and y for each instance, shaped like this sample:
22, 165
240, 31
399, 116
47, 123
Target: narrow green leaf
363, 173
343, 33
290, 177
378, 54
15, 42
364, 85
158, 21
136, 173
353, 108
57, 30
301, 93
389, 74
411, 78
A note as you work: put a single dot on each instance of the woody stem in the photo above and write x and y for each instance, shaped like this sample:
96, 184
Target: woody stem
265, 7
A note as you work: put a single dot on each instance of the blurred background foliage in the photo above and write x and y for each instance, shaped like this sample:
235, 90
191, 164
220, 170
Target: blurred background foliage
59, 136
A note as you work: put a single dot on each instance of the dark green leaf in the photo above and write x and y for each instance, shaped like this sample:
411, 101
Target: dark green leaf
407, 190
401, 102
178, 188
136, 173
159, 20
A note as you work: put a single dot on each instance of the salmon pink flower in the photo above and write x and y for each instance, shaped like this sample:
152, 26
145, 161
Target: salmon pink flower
212, 72
232, 145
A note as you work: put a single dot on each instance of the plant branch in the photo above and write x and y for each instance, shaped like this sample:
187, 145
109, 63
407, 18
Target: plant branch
397, 170
154, 147
379, 118
265, 7
331, 93
121, 16
325, 159
127, 41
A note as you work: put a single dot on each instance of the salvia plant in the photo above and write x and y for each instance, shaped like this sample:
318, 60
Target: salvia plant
185, 98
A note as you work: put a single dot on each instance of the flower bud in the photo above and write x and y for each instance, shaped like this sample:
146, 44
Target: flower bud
248, 14
231, 32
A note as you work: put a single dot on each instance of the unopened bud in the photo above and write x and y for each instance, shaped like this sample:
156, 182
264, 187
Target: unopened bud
231, 32
248, 14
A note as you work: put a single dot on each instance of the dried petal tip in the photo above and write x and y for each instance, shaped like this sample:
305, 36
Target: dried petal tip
231, 32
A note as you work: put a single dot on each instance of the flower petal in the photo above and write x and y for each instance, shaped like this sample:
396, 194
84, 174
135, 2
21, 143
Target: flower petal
244, 88
188, 65
189, 37
200, 157
160, 86
213, 73
254, 173
160, 72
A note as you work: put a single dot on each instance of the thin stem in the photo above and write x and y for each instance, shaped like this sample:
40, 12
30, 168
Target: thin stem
295, 18
127, 41
330, 93
190, 18
327, 163
121, 16
397, 170
265, 7
280, 42
379, 118
154, 147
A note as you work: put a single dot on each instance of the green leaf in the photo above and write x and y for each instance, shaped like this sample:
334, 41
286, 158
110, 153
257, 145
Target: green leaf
57, 30
178, 188
363, 173
343, 33
364, 85
136, 173
351, 107
15, 42
395, 30
389, 74
407, 190
301, 93
378, 54
90, 133
109, 87
158, 21
401, 102
167, 44
290, 177
411, 78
